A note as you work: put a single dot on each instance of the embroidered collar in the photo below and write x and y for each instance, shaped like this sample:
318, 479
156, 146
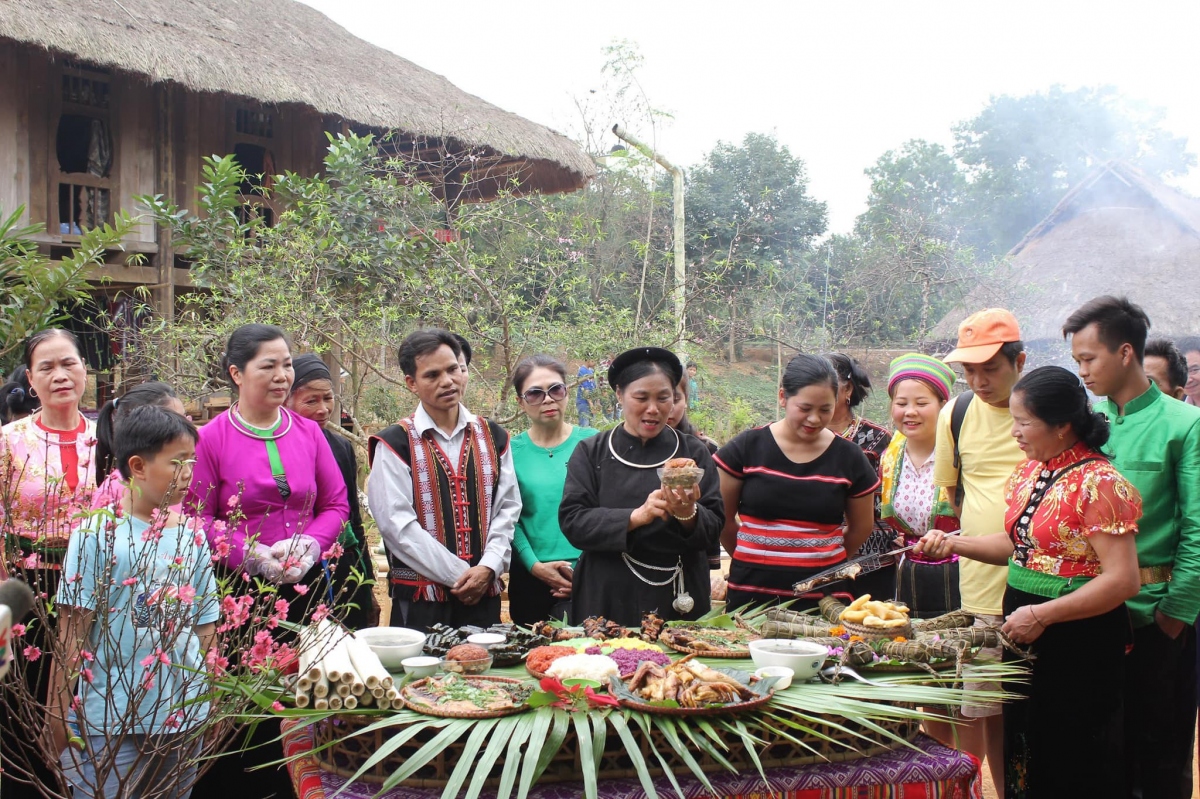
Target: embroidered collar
1069, 456
422, 421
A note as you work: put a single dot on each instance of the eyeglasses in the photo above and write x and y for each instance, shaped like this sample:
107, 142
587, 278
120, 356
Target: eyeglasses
536, 396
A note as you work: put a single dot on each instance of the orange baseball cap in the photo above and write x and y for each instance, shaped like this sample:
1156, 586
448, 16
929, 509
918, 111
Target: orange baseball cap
981, 335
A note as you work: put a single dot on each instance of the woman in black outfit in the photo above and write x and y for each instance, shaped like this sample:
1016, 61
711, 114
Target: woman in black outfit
644, 547
312, 397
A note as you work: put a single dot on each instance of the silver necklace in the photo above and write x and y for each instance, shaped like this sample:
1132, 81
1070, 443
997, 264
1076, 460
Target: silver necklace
613, 452
683, 600
243, 426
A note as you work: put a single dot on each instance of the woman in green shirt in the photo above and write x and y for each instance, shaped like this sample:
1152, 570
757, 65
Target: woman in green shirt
543, 562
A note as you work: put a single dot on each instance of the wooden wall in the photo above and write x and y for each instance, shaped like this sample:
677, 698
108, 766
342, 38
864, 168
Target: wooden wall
144, 119
14, 132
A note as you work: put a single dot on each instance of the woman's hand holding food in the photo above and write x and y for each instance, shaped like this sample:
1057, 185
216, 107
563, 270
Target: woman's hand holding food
655, 507
681, 502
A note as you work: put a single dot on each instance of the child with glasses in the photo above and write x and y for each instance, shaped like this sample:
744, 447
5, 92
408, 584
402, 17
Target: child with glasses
137, 607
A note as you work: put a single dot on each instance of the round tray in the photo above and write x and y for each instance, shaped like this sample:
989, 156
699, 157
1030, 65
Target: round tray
431, 710
724, 710
876, 633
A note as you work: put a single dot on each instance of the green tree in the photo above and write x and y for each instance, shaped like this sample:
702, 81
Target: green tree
1023, 153
919, 179
36, 290
750, 222
362, 254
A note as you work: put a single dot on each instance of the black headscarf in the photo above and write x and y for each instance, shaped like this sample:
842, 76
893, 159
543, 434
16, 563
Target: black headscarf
309, 367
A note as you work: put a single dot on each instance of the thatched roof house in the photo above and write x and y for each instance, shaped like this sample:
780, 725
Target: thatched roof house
282, 53
1119, 232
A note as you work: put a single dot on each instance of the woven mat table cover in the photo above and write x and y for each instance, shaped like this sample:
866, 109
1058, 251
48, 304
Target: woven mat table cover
932, 771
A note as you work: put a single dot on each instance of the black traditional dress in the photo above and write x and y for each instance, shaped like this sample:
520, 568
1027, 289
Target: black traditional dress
355, 554
600, 494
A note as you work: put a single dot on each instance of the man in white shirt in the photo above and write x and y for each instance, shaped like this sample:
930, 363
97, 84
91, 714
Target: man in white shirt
444, 494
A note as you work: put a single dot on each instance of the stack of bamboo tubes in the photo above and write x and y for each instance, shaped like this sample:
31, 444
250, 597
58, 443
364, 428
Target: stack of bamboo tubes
338, 671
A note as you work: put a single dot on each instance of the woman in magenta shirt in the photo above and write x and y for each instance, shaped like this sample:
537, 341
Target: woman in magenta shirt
266, 486
272, 500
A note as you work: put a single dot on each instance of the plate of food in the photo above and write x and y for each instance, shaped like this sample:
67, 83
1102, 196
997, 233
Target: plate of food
687, 687
709, 641
459, 696
517, 641
874, 619
540, 658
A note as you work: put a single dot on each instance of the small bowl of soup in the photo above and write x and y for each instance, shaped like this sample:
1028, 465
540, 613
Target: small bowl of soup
802, 657
393, 644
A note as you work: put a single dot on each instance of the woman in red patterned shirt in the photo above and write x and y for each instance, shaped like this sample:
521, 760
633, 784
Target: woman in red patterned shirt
1071, 566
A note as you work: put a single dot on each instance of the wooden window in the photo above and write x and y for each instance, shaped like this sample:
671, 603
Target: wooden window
83, 158
251, 139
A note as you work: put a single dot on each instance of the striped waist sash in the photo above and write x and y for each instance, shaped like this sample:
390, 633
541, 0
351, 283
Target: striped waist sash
783, 542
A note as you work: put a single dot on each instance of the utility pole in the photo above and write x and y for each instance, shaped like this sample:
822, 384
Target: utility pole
680, 258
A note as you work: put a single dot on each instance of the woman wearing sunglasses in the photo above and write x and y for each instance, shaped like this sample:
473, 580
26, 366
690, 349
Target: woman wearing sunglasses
543, 561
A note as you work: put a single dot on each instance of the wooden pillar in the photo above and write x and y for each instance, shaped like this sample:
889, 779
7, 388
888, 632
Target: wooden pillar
164, 183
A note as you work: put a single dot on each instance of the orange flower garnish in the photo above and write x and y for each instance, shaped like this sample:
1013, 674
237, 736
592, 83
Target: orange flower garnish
837, 630
856, 638
900, 639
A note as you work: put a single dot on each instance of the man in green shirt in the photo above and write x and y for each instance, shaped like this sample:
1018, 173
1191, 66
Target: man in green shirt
1155, 444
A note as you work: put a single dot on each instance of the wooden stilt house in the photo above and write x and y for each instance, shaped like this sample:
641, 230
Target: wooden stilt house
102, 101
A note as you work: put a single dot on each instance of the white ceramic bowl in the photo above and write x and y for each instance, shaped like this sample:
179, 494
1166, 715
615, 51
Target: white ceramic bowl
393, 644
486, 640
803, 658
782, 672
422, 666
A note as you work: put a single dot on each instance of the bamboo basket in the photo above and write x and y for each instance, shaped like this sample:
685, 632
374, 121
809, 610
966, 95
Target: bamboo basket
347, 751
877, 633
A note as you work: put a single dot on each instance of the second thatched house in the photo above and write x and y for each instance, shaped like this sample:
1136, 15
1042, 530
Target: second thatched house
1118, 232
102, 101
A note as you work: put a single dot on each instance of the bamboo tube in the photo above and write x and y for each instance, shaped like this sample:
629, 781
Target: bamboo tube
302, 699
343, 690
338, 667
379, 692
321, 687
321, 704
309, 655
366, 700
366, 662
304, 684
397, 704
358, 688
350, 702
335, 703
392, 694
336, 660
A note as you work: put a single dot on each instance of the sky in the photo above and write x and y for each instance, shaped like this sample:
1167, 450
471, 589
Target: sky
838, 82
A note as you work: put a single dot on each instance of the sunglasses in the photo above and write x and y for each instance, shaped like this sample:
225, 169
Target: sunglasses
536, 396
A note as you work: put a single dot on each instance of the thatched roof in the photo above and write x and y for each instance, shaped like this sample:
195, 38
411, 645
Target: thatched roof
1118, 232
283, 52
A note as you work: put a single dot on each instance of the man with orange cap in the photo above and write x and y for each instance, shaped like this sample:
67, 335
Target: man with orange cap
974, 456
